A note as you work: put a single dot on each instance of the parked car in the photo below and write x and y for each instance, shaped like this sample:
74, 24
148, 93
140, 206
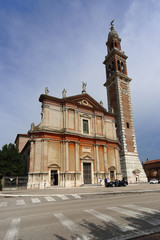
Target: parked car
116, 183
153, 181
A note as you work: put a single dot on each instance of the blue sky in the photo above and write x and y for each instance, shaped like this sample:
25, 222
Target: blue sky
60, 43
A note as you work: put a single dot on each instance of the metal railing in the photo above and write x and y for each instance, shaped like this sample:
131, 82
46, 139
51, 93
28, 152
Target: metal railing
14, 182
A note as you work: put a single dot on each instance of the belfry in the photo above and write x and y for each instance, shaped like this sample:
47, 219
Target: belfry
119, 102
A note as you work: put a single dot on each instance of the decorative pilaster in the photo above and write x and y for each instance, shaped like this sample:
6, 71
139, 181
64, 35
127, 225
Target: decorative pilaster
77, 156
76, 120
44, 164
65, 110
95, 125
32, 153
97, 158
66, 156
105, 158
103, 128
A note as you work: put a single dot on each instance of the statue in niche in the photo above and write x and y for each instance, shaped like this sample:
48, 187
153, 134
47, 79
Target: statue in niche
32, 126
46, 91
64, 93
84, 87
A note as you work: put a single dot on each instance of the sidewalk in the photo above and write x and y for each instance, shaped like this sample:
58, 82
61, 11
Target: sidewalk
93, 189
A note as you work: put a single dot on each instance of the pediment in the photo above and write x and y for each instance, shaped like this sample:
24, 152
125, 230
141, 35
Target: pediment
86, 100
111, 168
87, 158
53, 166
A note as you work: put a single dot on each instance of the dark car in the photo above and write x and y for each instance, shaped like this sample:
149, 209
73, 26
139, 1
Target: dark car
117, 183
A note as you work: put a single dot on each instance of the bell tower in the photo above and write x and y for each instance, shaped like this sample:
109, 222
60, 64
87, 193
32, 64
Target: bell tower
119, 102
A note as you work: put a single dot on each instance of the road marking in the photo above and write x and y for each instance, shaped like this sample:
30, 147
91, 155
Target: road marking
12, 232
110, 219
76, 196
152, 221
142, 209
3, 204
71, 226
63, 197
35, 200
126, 212
20, 202
50, 199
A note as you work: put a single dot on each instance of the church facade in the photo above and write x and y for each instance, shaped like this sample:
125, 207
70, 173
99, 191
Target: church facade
78, 142
75, 143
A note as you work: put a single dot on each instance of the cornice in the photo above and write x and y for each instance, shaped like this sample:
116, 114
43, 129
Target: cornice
115, 51
120, 76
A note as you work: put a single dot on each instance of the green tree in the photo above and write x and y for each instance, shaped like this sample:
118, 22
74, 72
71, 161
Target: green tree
11, 162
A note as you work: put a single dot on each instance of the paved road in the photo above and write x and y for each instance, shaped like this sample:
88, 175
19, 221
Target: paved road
69, 216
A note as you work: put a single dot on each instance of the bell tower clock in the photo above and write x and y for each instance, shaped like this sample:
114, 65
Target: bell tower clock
119, 102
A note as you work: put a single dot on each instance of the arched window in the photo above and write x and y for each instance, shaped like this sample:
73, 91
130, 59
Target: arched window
122, 67
115, 43
111, 45
113, 68
119, 67
109, 70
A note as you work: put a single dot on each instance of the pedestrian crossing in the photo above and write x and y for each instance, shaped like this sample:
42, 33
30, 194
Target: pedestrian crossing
38, 200
126, 229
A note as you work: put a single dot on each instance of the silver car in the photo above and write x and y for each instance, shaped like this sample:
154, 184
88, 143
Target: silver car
153, 181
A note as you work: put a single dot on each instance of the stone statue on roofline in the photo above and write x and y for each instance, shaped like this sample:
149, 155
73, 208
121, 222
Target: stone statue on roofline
101, 103
32, 126
84, 87
46, 91
64, 93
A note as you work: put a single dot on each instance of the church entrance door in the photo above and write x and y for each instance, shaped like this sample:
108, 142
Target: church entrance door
54, 177
87, 173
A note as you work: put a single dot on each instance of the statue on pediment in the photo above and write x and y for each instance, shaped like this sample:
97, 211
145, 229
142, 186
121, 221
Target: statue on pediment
84, 87
64, 93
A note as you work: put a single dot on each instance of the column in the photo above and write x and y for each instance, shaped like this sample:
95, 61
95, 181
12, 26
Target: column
105, 158
97, 158
95, 127
67, 156
65, 110
77, 156
44, 164
103, 127
31, 159
76, 120
114, 130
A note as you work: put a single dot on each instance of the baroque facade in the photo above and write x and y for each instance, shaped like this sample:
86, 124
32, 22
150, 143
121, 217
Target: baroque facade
74, 144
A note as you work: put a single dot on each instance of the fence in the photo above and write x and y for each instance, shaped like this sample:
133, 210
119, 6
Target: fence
14, 182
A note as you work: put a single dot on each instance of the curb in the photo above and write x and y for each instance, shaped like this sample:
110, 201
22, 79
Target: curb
70, 194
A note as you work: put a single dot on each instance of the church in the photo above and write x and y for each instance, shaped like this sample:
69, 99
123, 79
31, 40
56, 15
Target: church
78, 141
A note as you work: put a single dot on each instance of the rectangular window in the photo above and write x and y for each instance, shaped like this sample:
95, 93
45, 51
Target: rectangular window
85, 126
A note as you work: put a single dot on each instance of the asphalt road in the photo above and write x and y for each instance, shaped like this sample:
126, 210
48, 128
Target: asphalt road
79, 217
